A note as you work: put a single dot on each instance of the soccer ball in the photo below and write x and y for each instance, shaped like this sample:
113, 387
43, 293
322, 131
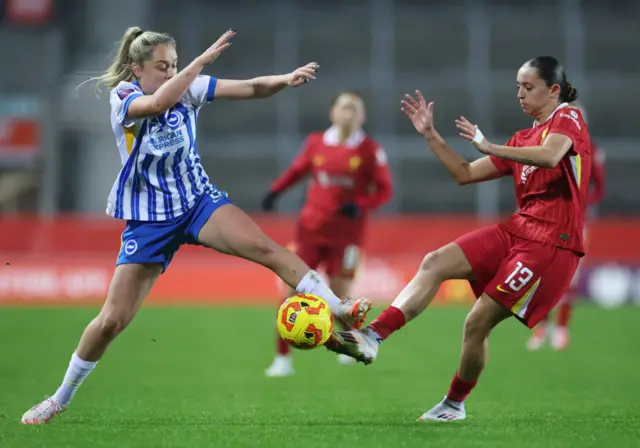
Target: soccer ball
305, 321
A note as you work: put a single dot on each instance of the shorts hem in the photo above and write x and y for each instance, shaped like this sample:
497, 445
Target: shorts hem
161, 263
520, 319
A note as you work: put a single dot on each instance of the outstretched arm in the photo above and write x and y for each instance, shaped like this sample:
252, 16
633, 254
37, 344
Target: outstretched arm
597, 178
172, 90
299, 168
421, 115
547, 155
264, 86
380, 183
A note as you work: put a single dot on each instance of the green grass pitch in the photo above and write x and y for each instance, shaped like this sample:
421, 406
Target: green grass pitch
193, 377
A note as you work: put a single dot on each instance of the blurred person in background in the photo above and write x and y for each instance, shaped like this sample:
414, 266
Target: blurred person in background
558, 335
350, 178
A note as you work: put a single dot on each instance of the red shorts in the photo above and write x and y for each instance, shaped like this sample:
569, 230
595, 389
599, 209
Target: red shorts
527, 277
335, 260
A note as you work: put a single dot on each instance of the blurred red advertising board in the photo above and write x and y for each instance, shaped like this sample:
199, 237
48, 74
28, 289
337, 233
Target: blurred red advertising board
28, 12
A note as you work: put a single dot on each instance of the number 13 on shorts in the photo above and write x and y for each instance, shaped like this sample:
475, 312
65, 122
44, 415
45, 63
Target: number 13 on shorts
518, 278
516, 287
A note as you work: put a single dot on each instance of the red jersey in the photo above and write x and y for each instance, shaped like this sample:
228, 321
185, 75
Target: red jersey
596, 193
552, 202
353, 172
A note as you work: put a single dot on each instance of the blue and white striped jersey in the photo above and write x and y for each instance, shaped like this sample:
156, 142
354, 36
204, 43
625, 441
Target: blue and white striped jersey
162, 176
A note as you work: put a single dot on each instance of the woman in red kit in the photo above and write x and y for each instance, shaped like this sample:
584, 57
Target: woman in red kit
349, 179
520, 267
558, 335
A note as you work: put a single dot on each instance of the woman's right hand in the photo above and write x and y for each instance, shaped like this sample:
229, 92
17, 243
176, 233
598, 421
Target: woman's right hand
419, 112
212, 53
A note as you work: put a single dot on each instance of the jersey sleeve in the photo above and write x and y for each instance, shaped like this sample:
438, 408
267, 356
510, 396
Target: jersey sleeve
503, 165
120, 99
201, 90
380, 182
598, 176
568, 121
299, 168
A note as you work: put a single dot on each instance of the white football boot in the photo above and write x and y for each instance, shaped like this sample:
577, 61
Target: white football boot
445, 411
362, 345
352, 313
281, 366
560, 338
538, 338
346, 360
43, 412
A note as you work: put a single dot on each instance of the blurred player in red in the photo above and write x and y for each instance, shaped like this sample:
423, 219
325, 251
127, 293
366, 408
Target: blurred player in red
349, 179
520, 267
559, 335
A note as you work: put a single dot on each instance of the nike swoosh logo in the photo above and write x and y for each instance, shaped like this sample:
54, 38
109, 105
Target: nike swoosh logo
501, 289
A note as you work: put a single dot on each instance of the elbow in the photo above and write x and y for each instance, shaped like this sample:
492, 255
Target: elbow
257, 90
552, 157
386, 196
158, 107
464, 177
550, 162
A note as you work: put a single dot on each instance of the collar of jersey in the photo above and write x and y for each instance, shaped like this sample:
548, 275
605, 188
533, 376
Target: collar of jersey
552, 114
331, 137
137, 84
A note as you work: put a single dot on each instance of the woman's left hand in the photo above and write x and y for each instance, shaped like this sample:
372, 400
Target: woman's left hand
471, 133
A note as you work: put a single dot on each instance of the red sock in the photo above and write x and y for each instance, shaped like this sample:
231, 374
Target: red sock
391, 319
282, 347
460, 389
564, 314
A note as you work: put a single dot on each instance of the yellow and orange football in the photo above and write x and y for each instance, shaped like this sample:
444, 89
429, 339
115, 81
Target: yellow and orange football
305, 321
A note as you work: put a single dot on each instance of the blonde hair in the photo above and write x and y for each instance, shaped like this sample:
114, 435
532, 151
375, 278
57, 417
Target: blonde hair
136, 47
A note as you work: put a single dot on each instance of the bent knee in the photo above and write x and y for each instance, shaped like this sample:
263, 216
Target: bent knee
113, 322
434, 262
264, 248
483, 318
476, 327
447, 263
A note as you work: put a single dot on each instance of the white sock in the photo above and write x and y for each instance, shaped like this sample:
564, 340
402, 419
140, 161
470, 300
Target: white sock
76, 373
312, 283
283, 358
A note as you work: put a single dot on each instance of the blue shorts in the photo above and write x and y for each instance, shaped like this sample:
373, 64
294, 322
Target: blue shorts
158, 241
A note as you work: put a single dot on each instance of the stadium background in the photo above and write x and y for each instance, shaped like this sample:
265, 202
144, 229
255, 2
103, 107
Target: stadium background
194, 375
58, 159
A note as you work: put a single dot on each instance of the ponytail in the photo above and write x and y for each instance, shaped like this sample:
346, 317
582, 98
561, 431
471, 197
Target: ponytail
136, 47
120, 68
571, 94
552, 72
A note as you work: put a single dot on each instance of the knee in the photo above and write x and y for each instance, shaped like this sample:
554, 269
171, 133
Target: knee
432, 263
113, 322
265, 251
476, 328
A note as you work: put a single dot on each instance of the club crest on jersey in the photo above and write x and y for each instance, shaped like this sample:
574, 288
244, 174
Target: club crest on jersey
527, 170
164, 132
174, 119
354, 163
